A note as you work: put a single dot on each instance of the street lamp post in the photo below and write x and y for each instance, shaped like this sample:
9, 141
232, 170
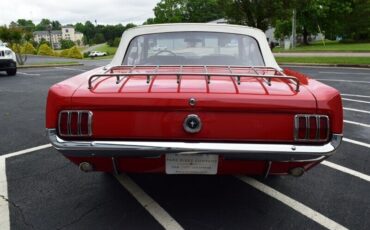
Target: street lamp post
49, 27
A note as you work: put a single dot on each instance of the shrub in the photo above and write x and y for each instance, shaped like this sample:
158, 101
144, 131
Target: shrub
28, 48
44, 49
64, 53
75, 53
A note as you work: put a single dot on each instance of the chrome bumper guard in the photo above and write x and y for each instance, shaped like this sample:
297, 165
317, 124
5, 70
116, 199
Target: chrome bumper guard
258, 151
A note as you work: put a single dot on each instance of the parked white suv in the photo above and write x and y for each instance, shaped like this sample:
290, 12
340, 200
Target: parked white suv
8, 61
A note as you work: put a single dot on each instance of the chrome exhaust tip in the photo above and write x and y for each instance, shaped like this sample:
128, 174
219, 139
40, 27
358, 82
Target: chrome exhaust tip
86, 167
296, 172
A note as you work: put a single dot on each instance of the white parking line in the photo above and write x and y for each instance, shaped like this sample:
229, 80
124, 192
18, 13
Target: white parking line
354, 95
29, 74
148, 203
346, 170
352, 81
342, 73
81, 70
359, 101
296, 205
363, 144
4, 204
357, 123
356, 110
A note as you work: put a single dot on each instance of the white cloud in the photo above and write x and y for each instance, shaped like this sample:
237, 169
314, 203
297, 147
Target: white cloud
72, 11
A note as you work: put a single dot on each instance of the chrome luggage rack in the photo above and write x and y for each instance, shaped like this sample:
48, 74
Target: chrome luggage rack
257, 72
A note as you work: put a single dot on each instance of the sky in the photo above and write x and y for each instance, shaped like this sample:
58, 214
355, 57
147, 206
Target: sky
73, 11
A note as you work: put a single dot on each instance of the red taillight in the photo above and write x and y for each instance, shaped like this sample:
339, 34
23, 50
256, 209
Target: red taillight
75, 123
311, 128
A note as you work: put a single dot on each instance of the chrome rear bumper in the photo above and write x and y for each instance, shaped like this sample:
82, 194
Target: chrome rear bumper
260, 151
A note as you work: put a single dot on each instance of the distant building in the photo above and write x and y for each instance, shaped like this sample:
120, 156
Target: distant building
67, 33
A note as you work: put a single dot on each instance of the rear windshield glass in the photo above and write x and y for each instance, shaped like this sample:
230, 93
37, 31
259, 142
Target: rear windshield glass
193, 48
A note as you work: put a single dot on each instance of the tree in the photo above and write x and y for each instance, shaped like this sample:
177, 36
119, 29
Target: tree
55, 25
27, 25
255, 13
43, 25
202, 11
172, 11
66, 44
169, 11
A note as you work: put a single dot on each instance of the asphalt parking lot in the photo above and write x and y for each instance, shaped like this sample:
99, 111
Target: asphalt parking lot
40, 189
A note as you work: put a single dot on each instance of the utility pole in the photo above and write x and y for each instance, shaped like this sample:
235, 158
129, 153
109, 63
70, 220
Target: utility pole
49, 27
294, 29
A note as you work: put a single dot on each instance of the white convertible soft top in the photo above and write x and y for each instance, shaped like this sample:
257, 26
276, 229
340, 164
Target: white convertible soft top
128, 35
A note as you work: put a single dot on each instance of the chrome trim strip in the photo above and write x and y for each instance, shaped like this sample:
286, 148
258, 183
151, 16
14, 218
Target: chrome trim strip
69, 131
317, 135
273, 152
308, 128
79, 115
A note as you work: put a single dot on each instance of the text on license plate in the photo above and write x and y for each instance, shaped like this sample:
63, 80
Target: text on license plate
191, 164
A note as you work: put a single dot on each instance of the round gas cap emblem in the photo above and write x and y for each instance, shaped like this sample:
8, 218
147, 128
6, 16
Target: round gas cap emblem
192, 124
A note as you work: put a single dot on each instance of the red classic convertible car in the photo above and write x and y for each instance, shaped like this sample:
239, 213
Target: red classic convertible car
212, 100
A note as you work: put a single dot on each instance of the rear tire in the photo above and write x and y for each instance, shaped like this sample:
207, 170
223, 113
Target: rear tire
11, 72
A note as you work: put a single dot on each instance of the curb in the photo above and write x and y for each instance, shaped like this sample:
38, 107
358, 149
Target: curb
48, 65
325, 65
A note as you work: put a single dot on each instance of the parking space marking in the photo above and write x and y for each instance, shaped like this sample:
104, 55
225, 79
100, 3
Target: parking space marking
356, 110
29, 74
64, 68
357, 123
342, 73
356, 142
296, 205
354, 95
33, 149
4, 206
148, 203
359, 101
346, 170
4, 203
351, 81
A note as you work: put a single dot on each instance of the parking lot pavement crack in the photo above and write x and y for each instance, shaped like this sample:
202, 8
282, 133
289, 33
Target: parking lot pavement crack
19, 209
82, 216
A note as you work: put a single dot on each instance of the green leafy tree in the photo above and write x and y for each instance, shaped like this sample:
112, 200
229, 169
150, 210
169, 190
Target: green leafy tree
169, 11
66, 44
172, 11
55, 25
27, 25
203, 11
43, 25
255, 13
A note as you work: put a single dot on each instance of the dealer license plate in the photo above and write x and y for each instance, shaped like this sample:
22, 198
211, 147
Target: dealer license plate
191, 164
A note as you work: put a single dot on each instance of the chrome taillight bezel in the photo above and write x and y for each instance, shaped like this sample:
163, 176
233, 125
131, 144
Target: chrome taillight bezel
307, 118
79, 115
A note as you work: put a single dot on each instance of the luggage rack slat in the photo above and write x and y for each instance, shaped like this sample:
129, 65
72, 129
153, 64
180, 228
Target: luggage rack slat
149, 74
